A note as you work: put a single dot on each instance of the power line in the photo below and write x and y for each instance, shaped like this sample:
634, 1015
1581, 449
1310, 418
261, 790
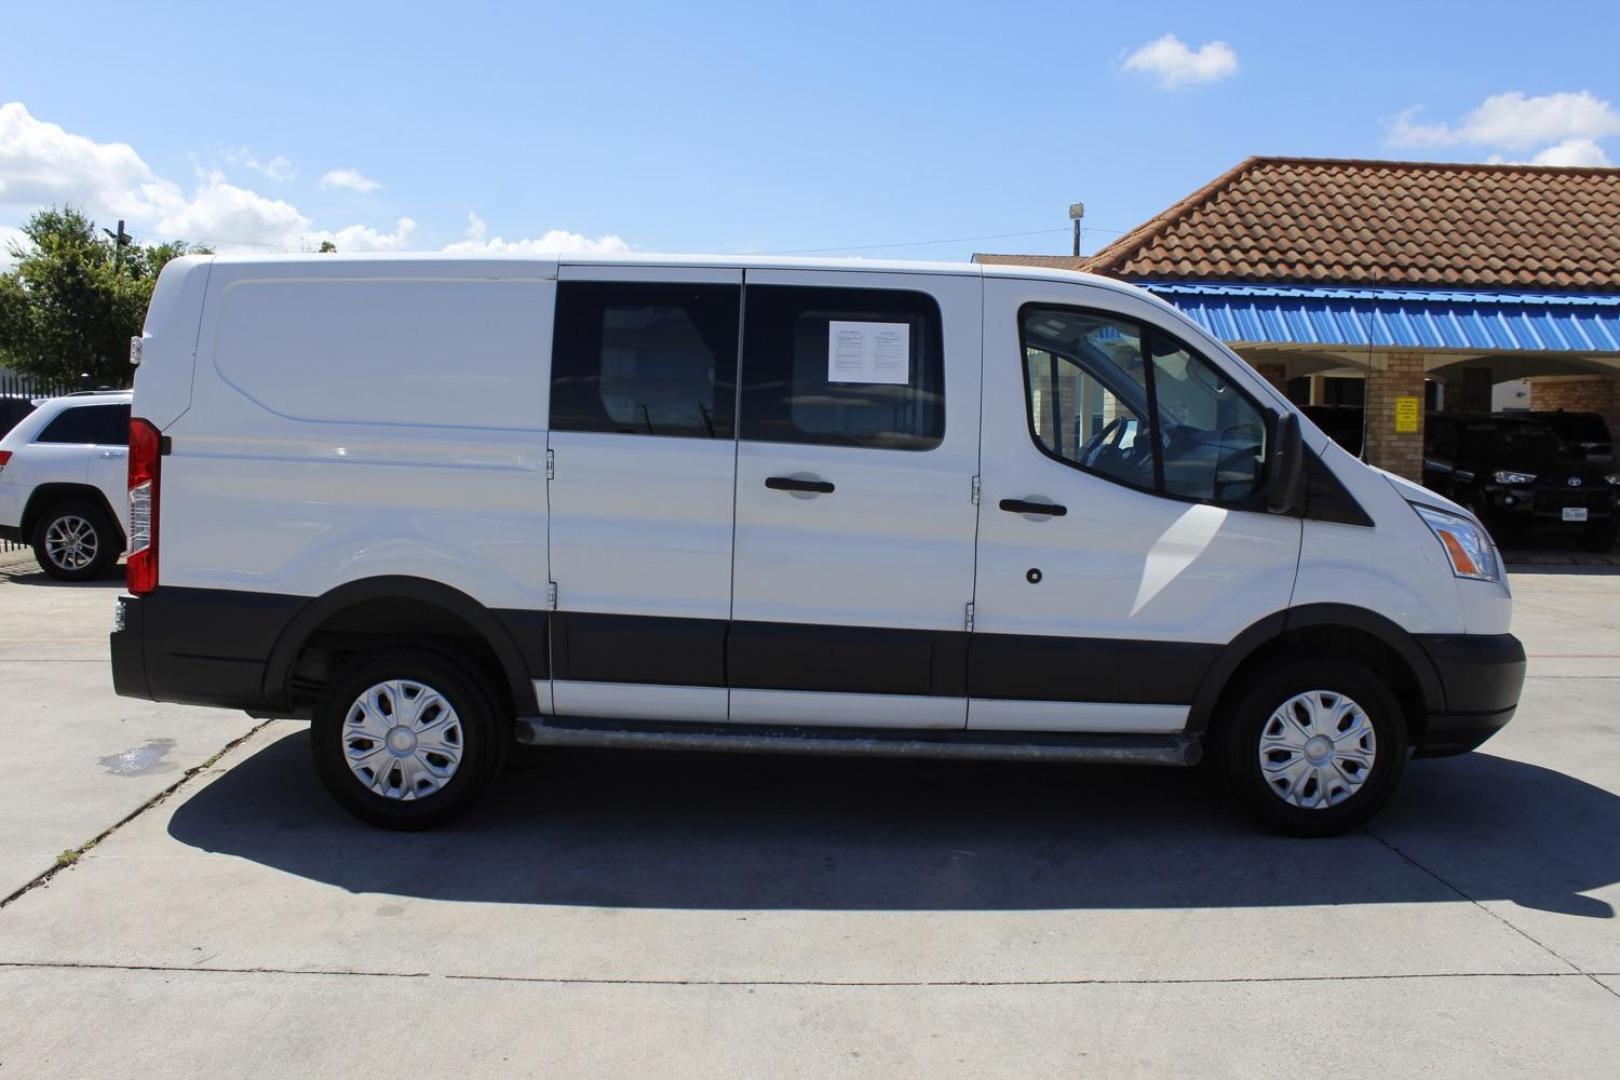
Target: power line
931, 243
217, 241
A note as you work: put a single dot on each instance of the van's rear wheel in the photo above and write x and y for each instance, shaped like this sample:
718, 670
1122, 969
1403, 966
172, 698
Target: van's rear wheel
75, 541
407, 738
1316, 746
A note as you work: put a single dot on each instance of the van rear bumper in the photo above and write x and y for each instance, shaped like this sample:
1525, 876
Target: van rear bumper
187, 646
1481, 676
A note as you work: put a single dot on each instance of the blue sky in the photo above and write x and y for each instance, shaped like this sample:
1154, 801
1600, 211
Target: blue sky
868, 128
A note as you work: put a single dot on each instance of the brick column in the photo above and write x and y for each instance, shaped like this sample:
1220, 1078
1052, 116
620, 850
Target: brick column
1394, 376
1580, 393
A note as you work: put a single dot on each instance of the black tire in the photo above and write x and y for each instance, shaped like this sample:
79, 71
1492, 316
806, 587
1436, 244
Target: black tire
90, 524
1253, 712
484, 737
1600, 538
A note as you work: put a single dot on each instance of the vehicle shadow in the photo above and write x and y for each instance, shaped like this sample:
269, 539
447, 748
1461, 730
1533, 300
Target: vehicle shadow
650, 830
30, 574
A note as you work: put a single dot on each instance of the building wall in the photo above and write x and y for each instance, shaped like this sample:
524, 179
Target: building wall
1579, 393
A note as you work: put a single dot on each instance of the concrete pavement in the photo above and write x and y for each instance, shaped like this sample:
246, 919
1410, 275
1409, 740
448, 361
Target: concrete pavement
674, 915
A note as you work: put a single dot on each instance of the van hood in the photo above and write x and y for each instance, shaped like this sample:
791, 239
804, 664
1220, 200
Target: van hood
1416, 493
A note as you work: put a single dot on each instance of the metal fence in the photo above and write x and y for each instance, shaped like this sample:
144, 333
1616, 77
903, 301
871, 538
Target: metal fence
18, 394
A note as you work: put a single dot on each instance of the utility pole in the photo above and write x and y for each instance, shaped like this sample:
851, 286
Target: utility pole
119, 238
1076, 212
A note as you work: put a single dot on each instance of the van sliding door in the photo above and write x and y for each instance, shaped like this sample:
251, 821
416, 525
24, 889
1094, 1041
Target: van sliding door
641, 497
858, 444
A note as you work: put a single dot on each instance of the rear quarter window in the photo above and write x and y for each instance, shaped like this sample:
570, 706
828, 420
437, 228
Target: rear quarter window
105, 425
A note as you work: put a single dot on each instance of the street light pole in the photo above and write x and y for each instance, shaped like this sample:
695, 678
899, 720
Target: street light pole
119, 238
1076, 212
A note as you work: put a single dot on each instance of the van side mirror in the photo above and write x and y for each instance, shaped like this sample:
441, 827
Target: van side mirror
1286, 490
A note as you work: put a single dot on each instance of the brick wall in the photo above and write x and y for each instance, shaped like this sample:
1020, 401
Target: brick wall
1393, 376
1579, 393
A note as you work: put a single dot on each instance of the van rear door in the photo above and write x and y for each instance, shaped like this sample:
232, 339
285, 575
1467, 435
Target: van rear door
643, 462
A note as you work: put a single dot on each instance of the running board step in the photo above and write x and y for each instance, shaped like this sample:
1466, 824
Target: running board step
981, 745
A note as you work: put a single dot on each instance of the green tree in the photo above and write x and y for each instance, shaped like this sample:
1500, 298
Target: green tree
327, 248
73, 301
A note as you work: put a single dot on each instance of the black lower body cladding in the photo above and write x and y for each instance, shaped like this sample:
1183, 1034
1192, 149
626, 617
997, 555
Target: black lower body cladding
1481, 676
234, 649
199, 646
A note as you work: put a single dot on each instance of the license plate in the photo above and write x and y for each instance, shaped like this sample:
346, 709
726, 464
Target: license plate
1574, 513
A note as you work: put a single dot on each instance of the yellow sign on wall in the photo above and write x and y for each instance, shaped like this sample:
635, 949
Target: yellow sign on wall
1407, 411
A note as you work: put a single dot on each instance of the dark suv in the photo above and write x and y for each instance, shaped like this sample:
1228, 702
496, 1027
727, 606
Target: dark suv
1521, 478
1585, 431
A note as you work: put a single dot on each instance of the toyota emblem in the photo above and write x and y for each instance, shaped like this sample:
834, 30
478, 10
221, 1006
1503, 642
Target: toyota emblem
1574, 481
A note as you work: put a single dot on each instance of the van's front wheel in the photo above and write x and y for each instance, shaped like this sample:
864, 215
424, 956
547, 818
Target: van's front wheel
406, 738
1316, 746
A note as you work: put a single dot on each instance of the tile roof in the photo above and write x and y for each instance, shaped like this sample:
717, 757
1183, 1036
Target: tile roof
1325, 220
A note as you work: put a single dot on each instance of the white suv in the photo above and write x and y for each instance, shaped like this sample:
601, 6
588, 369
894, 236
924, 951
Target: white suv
63, 482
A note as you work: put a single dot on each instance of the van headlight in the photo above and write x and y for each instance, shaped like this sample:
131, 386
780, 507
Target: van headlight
1467, 545
1511, 478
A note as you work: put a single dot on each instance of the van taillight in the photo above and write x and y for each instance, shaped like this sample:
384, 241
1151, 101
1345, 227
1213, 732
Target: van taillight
145, 467
5, 456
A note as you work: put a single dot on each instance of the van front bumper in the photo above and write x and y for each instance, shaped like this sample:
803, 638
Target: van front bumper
1480, 677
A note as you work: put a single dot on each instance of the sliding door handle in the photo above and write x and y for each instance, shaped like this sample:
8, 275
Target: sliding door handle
794, 483
1024, 506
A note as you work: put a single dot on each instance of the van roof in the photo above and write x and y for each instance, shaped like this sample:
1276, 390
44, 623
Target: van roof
774, 262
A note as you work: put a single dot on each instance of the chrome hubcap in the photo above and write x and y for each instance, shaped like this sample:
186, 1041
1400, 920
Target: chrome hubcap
70, 542
402, 739
1317, 749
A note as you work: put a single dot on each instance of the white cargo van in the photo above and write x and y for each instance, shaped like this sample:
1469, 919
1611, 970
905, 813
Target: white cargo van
440, 505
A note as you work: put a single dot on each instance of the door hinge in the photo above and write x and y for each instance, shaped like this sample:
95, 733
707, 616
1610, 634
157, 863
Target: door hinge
551, 464
551, 594
974, 492
967, 616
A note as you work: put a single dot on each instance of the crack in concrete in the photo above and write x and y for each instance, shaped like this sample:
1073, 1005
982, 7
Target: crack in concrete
1596, 977
61, 865
813, 983
74, 965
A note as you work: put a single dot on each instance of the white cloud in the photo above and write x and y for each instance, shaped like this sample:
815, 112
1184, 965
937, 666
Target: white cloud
1514, 121
229, 216
554, 242
349, 180
1174, 64
1574, 152
360, 238
277, 168
43, 164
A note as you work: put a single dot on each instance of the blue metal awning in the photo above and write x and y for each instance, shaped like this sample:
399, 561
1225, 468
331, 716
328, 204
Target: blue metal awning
1332, 316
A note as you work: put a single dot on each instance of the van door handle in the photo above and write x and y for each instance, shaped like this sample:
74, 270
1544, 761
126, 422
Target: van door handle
1024, 506
110, 454
793, 483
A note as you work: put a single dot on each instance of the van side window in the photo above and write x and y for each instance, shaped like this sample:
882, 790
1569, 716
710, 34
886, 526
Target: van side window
848, 367
1214, 438
1087, 394
1173, 425
645, 358
105, 425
